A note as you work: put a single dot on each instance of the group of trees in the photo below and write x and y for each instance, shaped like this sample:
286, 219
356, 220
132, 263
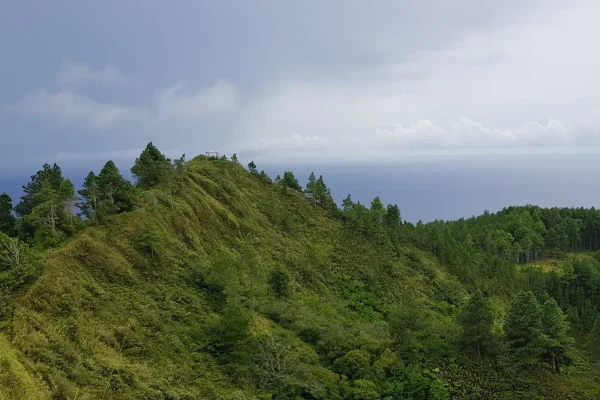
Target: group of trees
523, 234
372, 222
536, 335
50, 210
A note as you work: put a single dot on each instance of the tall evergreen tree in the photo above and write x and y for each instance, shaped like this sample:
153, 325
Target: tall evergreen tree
49, 217
252, 167
89, 197
477, 319
115, 192
311, 187
150, 167
52, 174
377, 209
234, 158
556, 239
290, 182
7, 219
523, 329
68, 201
347, 203
556, 342
392, 216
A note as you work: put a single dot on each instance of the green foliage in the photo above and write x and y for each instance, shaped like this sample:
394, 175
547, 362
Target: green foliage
51, 174
89, 197
252, 167
289, 181
53, 177
523, 328
7, 219
280, 282
264, 177
477, 319
438, 391
16, 382
115, 193
150, 167
593, 342
556, 342
356, 364
364, 389
19, 264
52, 218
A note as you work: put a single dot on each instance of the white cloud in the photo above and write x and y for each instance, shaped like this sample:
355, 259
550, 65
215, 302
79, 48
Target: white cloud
466, 133
542, 69
127, 154
68, 107
173, 103
423, 137
72, 74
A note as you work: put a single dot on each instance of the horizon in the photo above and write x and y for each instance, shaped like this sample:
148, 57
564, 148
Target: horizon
440, 188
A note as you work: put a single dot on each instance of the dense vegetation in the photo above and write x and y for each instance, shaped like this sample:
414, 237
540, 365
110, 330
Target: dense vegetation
206, 280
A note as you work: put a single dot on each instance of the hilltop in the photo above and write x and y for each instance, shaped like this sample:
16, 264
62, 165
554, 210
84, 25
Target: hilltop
205, 280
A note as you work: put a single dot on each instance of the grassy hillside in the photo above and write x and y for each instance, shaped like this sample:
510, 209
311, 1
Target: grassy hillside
232, 288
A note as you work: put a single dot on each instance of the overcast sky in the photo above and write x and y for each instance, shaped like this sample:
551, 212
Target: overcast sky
284, 80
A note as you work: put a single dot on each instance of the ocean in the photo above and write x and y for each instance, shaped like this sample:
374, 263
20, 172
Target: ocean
441, 187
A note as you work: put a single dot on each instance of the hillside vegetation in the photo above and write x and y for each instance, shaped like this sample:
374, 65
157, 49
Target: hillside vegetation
205, 280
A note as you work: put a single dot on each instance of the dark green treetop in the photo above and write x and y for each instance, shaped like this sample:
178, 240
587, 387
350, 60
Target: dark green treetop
477, 319
150, 167
7, 219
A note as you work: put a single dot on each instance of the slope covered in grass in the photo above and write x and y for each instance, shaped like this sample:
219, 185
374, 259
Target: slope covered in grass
230, 287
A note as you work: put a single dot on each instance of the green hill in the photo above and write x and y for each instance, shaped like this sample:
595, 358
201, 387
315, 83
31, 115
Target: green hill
214, 283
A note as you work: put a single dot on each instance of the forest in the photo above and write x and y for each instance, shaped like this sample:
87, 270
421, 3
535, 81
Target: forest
205, 279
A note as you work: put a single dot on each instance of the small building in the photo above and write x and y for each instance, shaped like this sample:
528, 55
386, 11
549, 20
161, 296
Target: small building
212, 154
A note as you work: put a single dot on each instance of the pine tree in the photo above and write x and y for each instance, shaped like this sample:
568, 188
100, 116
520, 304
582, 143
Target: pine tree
322, 192
89, 197
234, 158
66, 195
347, 204
311, 187
556, 342
593, 343
151, 167
523, 329
115, 193
52, 174
392, 216
377, 209
290, 182
477, 319
556, 239
45, 218
252, 167
7, 219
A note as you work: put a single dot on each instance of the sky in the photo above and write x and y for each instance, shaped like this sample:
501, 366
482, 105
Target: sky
282, 81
